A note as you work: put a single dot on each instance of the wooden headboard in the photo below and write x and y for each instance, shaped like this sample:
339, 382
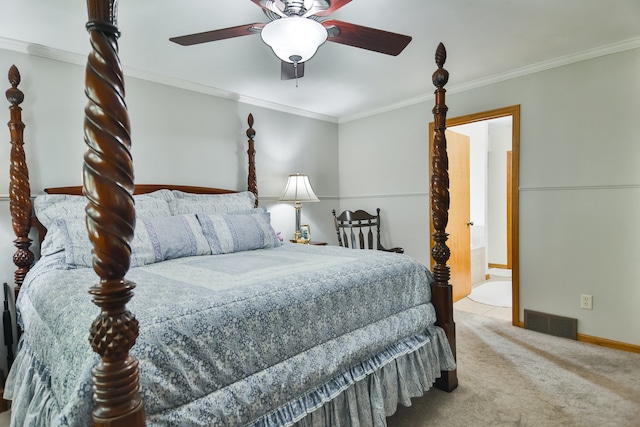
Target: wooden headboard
148, 188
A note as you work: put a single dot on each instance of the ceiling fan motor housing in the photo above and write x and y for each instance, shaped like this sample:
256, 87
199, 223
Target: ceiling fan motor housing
297, 7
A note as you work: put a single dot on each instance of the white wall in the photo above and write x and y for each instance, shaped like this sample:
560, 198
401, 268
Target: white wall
178, 137
500, 135
579, 184
383, 162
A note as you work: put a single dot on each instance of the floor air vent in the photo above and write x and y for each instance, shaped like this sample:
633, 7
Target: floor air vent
551, 324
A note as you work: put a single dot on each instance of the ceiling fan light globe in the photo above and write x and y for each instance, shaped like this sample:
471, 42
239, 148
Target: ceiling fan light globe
294, 37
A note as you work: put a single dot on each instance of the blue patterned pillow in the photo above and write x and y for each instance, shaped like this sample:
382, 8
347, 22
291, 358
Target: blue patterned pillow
72, 234
163, 238
55, 240
154, 240
51, 207
186, 203
233, 232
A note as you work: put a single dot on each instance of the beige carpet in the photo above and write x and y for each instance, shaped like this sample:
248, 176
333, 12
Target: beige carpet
5, 419
510, 376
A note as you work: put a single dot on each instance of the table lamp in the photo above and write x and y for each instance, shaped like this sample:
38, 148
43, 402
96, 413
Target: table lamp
298, 191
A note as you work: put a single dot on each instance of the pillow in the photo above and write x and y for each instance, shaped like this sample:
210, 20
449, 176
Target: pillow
163, 194
50, 207
54, 241
155, 239
232, 232
152, 205
163, 238
72, 234
240, 195
186, 203
261, 210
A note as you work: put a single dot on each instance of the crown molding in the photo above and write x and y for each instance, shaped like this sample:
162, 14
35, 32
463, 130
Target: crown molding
519, 72
77, 59
81, 60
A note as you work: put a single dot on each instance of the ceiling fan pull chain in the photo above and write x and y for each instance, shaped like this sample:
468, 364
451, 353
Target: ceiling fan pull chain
295, 59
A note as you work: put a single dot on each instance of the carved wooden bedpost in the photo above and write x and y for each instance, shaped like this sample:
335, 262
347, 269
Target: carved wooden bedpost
108, 185
441, 289
252, 180
19, 190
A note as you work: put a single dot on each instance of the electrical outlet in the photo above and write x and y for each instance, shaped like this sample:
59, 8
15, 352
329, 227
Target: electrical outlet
586, 301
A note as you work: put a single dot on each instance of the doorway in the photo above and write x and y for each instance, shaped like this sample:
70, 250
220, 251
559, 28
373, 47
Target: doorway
504, 218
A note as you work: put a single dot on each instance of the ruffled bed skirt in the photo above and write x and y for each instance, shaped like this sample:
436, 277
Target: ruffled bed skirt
28, 386
363, 396
371, 391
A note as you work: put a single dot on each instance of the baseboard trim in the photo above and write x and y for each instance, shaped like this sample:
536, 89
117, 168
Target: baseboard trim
504, 266
609, 343
617, 345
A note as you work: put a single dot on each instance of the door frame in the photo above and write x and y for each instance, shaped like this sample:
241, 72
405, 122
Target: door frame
514, 112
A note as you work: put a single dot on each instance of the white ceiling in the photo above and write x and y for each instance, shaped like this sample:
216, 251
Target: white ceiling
486, 41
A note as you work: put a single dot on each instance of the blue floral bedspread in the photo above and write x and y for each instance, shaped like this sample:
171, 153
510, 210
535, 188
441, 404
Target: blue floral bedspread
223, 338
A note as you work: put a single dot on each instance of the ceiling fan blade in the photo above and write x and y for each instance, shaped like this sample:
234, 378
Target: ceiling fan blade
271, 5
333, 6
365, 37
288, 72
224, 33
260, 4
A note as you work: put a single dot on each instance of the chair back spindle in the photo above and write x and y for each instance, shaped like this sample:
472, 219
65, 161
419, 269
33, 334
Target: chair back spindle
363, 238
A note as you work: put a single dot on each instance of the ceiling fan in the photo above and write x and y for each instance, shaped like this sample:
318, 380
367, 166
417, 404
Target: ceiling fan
296, 29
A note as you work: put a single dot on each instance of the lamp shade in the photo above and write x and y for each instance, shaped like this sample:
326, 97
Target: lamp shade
294, 39
298, 190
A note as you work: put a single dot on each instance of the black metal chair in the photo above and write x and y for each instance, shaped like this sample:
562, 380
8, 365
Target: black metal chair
355, 230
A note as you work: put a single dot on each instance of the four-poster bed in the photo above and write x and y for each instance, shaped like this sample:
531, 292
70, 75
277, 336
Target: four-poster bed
249, 345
